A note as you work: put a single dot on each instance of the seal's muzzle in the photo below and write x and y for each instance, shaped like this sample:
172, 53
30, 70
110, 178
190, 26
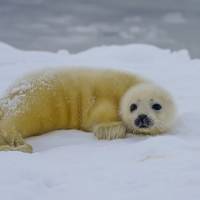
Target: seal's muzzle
143, 121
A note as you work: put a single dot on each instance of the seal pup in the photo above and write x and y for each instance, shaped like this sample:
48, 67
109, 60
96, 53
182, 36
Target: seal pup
109, 103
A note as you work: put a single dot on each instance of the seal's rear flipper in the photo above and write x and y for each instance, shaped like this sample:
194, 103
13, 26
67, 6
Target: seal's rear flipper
26, 148
1, 113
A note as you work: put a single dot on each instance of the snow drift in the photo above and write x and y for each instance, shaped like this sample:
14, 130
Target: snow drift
74, 165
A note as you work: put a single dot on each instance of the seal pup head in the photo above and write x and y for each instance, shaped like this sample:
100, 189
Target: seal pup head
147, 109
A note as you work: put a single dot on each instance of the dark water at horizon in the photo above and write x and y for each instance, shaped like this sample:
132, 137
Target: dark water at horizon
77, 24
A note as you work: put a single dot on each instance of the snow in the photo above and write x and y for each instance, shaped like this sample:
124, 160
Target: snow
75, 165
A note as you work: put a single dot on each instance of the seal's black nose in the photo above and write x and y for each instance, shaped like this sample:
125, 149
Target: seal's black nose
143, 121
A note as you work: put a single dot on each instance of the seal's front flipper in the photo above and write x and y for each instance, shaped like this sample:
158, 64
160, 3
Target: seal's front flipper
110, 131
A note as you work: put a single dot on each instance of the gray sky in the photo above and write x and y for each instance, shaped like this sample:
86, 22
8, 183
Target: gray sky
77, 24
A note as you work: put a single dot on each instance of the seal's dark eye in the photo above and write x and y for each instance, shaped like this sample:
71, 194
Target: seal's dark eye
133, 107
156, 106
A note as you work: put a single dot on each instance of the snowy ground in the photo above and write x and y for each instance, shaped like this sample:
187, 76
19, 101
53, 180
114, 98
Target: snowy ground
74, 165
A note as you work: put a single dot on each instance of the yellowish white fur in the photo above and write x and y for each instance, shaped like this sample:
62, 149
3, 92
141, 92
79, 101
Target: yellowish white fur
144, 96
85, 99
